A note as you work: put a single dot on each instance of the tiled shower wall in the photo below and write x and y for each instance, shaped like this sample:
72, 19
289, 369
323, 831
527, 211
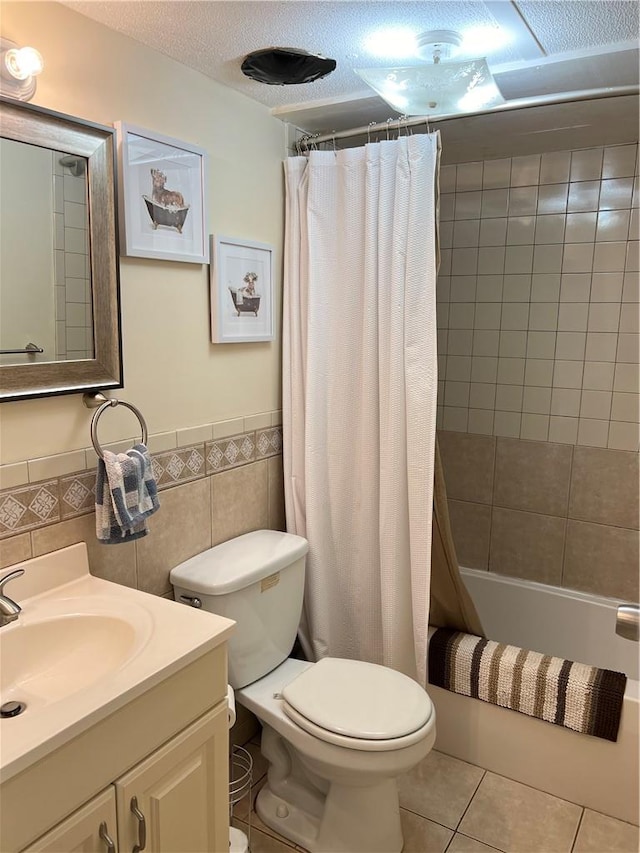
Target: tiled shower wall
560, 514
538, 297
74, 319
538, 366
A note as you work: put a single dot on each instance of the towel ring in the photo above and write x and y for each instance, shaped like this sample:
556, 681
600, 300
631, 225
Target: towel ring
104, 407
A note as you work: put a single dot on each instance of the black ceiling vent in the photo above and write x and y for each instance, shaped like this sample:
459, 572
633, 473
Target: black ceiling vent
286, 66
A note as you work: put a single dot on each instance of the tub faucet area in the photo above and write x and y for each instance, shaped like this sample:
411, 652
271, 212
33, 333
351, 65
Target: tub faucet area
9, 609
628, 622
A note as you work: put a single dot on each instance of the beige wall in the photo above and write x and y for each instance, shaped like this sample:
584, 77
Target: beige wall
172, 372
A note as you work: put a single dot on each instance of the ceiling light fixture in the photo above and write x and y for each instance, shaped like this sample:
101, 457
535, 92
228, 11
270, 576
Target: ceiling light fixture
442, 87
19, 67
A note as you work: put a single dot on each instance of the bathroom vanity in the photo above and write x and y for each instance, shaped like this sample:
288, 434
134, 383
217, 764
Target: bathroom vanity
123, 744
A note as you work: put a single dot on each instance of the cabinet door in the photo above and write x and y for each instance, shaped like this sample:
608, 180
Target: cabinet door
86, 831
181, 793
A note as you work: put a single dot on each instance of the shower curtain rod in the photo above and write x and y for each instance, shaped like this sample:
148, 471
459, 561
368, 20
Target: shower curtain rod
519, 104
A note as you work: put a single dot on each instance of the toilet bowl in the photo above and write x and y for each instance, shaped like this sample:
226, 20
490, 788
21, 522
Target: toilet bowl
336, 733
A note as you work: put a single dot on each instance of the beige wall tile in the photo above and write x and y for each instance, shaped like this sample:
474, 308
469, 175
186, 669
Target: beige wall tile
240, 501
512, 816
532, 476
440, 788
161, 441
194, 435
527, 545
180, 529
468, 462
15, 550
421, 834
55, 466
604, 486
277, 517
115, 563
259, 421
471, 528
16, 474
602, 560
598, 832
222, 429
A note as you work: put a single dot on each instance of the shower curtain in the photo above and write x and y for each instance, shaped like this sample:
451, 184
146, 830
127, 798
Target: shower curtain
359, 395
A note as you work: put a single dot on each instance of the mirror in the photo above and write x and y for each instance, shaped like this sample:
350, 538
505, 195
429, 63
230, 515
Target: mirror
59, 289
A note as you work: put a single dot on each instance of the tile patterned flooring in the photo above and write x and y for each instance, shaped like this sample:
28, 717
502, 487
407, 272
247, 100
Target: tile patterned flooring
449, 805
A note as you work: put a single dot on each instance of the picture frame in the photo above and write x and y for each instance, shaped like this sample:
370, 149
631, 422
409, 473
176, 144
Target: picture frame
242, 291
162, 194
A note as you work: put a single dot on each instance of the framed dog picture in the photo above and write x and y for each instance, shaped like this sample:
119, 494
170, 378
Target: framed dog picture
163, 211
241, 291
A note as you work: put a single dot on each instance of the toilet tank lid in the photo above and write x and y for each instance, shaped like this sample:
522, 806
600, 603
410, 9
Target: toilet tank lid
240, 562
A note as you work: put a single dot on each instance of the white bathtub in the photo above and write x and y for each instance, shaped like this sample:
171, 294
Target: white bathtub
582, 769
551, 620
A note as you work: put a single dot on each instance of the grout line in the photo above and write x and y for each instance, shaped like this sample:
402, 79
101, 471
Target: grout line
484, 773
575, 837
566, 526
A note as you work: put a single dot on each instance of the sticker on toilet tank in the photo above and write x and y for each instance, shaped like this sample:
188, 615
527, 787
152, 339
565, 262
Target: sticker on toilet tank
267, 583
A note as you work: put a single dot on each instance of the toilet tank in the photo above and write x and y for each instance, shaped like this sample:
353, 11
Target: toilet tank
258, 581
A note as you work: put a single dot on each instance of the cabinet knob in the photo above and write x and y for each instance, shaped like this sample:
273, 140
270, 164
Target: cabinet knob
142, 826
103, 832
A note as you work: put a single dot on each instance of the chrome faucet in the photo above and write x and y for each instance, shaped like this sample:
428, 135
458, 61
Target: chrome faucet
9, 610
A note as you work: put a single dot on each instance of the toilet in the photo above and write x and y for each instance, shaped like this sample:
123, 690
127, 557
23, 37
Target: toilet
336, 733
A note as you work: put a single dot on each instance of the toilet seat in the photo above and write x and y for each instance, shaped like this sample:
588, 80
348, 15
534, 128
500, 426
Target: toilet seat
358, 705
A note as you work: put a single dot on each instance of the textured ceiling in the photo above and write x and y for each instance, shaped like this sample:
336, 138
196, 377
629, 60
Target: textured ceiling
578, 24
214, 36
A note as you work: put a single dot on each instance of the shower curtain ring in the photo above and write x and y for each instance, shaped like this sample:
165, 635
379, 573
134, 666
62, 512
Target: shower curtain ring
389, 123
371, 124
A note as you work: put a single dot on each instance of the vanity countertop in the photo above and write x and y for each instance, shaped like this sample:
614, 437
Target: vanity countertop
84, 647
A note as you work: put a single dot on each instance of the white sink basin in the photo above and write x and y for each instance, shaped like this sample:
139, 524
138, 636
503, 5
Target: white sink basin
47, 660
83, 647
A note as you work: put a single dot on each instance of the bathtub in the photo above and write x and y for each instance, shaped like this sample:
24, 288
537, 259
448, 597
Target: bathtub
589, 771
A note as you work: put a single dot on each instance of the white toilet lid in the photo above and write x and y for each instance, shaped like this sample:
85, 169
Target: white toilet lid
358, 700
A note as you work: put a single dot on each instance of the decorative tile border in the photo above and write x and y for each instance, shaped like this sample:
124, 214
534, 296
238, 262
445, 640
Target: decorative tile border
179, 466
230, 452
28, 507
77, 494
269, 442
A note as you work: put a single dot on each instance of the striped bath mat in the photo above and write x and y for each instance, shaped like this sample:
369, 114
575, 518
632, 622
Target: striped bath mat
574, 695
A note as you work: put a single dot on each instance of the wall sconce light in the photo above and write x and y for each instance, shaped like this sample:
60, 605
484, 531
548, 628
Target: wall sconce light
18, 70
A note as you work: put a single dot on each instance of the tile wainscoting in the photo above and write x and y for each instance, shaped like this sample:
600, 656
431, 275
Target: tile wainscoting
553, 513
210, 491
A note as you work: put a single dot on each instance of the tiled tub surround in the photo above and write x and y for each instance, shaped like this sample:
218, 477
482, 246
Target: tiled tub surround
216, 481
538, 297
74, 320
553, 513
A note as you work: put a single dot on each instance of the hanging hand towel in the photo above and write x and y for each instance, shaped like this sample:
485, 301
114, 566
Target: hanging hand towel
126, 495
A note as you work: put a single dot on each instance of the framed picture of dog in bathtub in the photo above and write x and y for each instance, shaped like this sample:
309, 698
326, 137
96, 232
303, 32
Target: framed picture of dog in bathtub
241, 275
163, 211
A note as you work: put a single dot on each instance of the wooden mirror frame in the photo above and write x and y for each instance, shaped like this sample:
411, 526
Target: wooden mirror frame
38, 126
